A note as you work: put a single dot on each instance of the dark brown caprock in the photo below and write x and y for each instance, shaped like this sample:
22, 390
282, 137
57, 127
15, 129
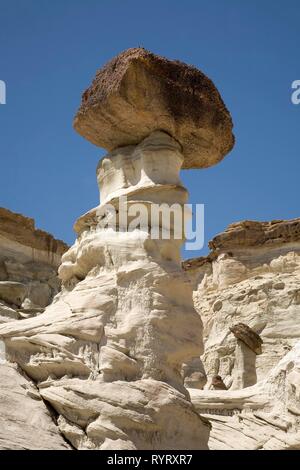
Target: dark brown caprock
244, 333
138, 92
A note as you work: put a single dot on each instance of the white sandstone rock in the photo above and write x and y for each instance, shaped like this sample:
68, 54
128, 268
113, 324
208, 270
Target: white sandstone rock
123, 324
25, 422
264, 416
251, 276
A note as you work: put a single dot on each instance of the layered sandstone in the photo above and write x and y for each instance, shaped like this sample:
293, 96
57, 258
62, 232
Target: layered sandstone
265, 416
247, 293
19, 235
28, 282
118, 357
25, 421
111, 352
29, 259
251, 276
123, 325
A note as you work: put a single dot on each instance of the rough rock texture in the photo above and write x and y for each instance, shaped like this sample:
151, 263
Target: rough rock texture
108, 353
252, 276
244, 369
118, 356
25, 422
251, 233
247, 336
19, 230
28, 282
247, 347
194, 374
138, 93
29, 259
141, 414
265, 416
217, 383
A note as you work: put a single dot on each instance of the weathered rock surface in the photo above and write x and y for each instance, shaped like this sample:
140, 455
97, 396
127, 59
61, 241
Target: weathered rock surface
107, 354
33, 243
125, 319
118, 415
251, 276
247, 347
28, 282
194, 374
138, 93
265, 416
25, 422
247, 336
251, 233
118, 356
29, 259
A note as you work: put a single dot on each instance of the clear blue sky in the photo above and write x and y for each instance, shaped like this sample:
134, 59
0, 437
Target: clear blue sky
50, 51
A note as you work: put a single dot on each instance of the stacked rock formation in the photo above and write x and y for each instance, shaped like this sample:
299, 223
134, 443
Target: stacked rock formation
247, 347
29, 259
108, 353
252, 277
265, 416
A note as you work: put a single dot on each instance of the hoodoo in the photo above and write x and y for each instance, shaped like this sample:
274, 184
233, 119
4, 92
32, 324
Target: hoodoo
108, 353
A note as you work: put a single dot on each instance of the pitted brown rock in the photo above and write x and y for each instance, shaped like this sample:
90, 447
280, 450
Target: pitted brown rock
138, 92
244, 333
250, 233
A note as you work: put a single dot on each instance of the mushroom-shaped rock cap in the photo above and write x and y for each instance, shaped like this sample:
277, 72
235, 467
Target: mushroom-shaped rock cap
244, 333
138, 92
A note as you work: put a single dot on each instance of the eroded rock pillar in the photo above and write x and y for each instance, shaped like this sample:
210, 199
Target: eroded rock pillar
247, 348
108, 353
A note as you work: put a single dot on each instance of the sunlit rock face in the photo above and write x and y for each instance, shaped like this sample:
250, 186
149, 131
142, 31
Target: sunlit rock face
25, 421
118, 356
265, 416
113, 352
251, 276
124, 322
29, 259
247, 293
